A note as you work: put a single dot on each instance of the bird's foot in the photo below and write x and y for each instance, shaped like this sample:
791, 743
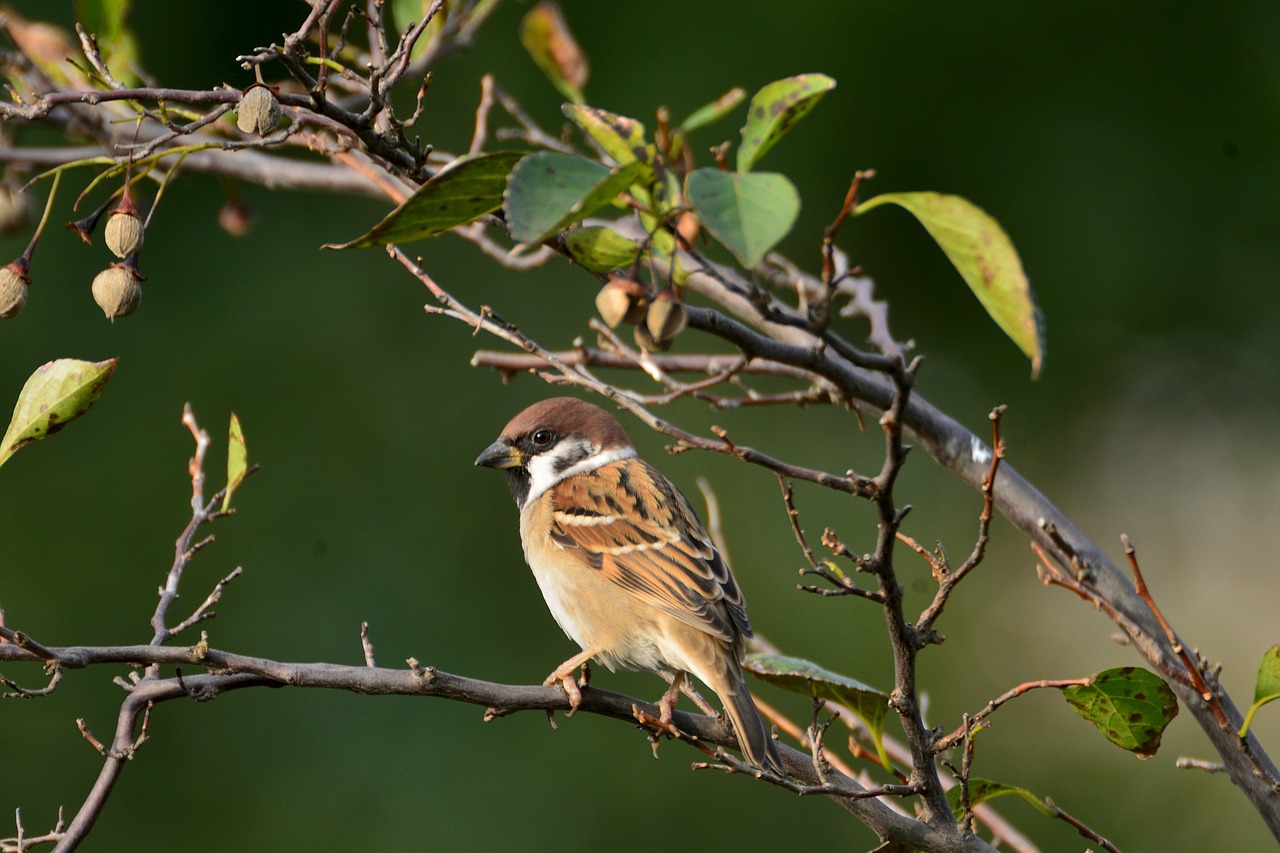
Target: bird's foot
564, 676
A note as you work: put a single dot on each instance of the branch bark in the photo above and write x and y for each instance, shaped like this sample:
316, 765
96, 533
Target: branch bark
235, 672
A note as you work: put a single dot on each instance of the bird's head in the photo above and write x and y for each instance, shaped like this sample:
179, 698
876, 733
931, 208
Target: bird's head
554, 439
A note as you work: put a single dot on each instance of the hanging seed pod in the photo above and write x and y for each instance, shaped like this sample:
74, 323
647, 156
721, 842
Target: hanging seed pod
236, 218
259, 111
15, 210
666, 317
613, 303
13, 288
123, 234
622, 300
118, 291
646, 341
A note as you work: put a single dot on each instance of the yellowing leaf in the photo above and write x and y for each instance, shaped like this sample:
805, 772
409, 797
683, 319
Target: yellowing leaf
546, 36
620, 137
237, 460
56, 394
985, 257
774, 110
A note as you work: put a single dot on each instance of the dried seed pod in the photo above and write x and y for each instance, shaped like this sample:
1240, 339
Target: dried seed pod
123, 234
613, 303
622, 300
666, 317
259, 111
646, 341
15, 210
13, 288
118, 291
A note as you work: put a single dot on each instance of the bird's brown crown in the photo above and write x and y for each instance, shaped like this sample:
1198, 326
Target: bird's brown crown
569, 416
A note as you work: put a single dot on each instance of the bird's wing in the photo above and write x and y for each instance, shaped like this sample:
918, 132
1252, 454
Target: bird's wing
628, 521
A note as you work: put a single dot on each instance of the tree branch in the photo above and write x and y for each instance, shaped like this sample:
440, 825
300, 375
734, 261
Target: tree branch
235, 672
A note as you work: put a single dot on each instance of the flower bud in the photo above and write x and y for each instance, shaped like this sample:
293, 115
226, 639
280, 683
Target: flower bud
123, 233
666, 317
13, 289
117, 291
259, 111
15, 210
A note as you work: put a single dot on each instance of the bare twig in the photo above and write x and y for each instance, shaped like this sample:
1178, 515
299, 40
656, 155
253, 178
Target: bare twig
970, 719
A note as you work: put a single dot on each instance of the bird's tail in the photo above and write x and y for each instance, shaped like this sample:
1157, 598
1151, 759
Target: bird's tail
753, 737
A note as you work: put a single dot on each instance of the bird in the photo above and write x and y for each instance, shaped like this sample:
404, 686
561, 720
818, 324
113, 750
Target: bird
625, 565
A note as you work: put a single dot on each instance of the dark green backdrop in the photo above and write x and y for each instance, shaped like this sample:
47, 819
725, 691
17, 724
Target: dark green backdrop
1131, 152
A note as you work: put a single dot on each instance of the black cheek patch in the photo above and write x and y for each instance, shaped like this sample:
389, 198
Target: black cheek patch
571, 457
518, 481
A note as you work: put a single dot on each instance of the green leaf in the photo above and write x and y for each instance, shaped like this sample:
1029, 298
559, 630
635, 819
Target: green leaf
620, 137
749, 213
546, 36
548, 190
56, 394
237, 460
601, 249
703, 116
985, 257
774, 109
1266, 688
802, 676
466, 189
714, 111
1129, 705
981, 790
105, 20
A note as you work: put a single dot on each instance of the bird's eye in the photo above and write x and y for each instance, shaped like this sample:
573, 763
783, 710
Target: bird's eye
543, 437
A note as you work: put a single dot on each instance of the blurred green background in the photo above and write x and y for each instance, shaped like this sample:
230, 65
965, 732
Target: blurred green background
1130, 150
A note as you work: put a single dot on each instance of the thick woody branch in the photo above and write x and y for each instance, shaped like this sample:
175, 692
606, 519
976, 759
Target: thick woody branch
234, 672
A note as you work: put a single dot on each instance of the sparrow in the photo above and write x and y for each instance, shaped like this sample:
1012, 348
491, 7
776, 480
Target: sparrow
625, 565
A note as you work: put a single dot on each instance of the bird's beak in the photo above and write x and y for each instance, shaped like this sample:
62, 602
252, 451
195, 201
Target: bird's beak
500, 455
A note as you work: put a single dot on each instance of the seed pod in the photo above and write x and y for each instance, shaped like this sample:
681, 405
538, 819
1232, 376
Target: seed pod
15, 210
236, 218
117, 291
666, 317
259, 111
123, 233
622, 300
613, 304
646, 341
13, 289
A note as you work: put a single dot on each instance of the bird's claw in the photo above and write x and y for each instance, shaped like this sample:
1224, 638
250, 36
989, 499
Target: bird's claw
567, 680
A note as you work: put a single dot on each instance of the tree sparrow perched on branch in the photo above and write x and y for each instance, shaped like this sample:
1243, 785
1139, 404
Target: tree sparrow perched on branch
624, 564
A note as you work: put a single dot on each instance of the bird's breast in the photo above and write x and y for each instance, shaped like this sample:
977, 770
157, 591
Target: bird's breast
594, 612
